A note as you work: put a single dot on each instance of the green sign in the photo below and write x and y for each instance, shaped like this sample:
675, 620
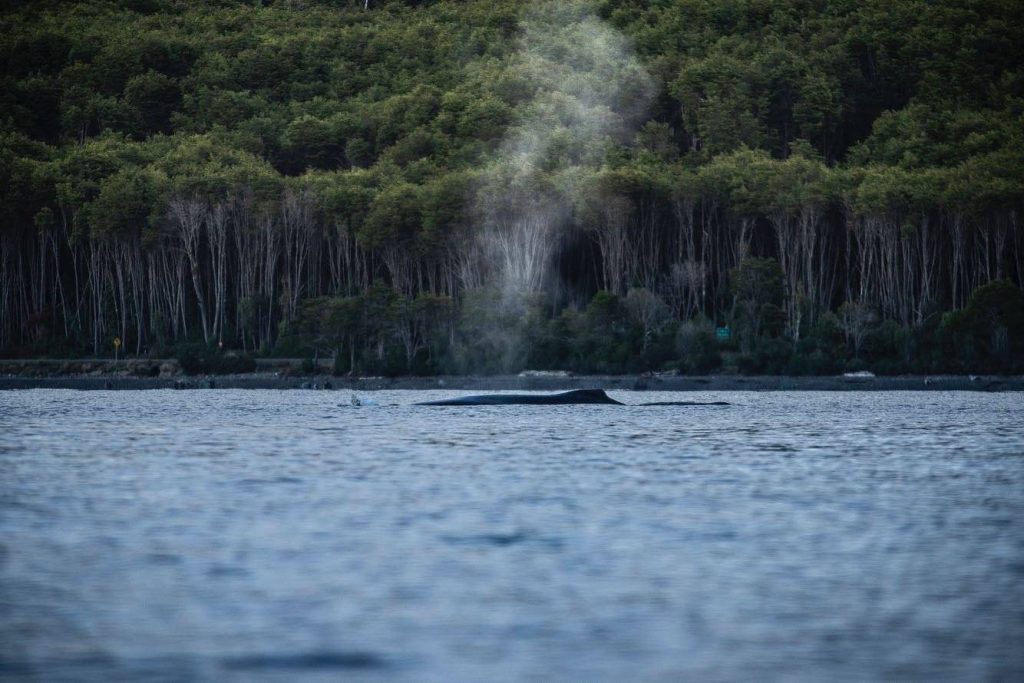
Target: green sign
722, 333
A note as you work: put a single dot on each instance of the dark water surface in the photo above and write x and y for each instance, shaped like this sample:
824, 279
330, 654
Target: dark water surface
276, 535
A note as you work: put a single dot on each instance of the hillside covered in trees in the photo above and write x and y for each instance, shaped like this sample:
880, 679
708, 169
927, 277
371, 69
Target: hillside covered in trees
491, 185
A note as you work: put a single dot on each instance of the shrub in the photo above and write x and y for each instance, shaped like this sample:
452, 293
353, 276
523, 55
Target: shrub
200, 359
697, 347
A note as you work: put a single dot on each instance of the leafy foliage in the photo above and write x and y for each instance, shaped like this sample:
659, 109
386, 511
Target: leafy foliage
832, 179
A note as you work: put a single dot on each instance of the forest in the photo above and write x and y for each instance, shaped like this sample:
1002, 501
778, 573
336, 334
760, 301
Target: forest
488, 186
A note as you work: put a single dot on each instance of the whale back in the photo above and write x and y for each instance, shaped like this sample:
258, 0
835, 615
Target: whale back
574, 397
586, 396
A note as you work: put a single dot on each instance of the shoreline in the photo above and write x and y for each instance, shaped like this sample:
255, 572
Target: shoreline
137, 374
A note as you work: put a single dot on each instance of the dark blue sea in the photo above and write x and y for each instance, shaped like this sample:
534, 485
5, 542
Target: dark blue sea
289, 535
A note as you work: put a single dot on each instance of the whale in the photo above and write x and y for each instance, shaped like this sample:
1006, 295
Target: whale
574, 397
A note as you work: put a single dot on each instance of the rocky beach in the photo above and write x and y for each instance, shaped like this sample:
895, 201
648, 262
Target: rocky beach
106, 374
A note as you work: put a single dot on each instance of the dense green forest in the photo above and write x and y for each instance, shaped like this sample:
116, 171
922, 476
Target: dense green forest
492, 185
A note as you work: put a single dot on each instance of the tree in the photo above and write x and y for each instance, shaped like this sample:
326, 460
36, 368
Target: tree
757, 286
856, 320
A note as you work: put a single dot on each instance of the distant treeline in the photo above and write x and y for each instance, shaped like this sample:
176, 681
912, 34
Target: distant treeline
489, 185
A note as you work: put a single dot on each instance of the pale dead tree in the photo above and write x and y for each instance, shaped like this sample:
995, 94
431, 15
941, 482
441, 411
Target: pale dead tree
740, 231
53, 298
863, 230
433, 273
58, 294
849, 257
158, 318
137, 282
684, 209
338, 267
708, 229
990, 244
98, 278
813, 253
24, 306
881, 258
683, 285
450, 269
247, 252
918, 250
298, 222
856, 320
35, 287
520, 249
958, 230
673, 287
120, 257
217, 232
414, 320
906, 271
887, 275
126, 265
270, 252
802, 258
189, 216
908, 266
647, 252
828, 268
688, 274
177, 287
313, 274
1000, 230
649, 312
152, 292
1018, 244
471, 265
408, 331
167, 287
695, 277
979, 267
342, 257
787, 236
20, 272
50, 253
612, 234
358, 262
399, 264
890, 284
728, 238
76, 252
40, 285
8, 318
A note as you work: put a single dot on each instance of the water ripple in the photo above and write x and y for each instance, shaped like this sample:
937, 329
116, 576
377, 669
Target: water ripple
244, 535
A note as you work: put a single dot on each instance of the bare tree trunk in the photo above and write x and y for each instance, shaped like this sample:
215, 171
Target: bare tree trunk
789, 257
119, 258
97, 268
189, 214
1018, 246
270, 251
297, 220
957, 228
7, 280
135, 272
217, 231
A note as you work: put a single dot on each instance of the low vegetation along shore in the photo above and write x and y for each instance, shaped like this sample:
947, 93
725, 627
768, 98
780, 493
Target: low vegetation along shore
303, 374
